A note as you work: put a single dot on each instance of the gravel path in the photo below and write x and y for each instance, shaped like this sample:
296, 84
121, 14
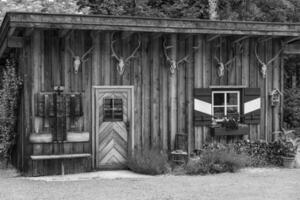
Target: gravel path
273, 184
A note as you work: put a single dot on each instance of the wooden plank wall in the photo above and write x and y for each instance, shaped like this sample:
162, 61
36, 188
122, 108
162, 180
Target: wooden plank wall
163, 101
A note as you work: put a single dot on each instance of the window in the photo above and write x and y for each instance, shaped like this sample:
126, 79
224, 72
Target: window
113, 110
225, 104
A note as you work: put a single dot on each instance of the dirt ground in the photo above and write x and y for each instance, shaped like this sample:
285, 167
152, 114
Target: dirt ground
256, 184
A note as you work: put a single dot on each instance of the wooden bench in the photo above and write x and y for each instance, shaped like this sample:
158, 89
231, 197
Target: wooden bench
59, 156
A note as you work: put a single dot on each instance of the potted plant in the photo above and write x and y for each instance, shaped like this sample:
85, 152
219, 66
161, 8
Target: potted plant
288, 154
230, 126
288, 148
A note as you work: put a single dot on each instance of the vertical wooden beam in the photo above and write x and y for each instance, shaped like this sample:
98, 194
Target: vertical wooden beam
106, 58
137, 82
190, 95
96, 60
269, 79
146, 120
198, 83
173, 93
164, 72
36, 56
208, 56
181, 94
276, 85
155, 91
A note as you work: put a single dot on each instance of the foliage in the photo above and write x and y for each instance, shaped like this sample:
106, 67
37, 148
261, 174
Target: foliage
260, 10
230, 124
148, 8
256, 10
217, 161
149, 161
8, 105
261, 154
48, 6
292, 107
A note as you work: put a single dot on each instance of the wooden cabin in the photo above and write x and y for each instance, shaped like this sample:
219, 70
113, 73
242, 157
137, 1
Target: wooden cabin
96, 89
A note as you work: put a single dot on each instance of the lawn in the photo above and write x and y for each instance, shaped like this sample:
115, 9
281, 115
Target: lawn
273, 183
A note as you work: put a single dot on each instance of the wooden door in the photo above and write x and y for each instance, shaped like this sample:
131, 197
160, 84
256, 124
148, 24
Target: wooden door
113, 122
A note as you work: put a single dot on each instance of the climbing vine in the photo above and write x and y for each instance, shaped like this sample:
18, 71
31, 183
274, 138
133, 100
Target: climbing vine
9, 93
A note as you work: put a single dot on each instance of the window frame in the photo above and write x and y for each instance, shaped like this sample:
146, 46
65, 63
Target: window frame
112, 110
225, 106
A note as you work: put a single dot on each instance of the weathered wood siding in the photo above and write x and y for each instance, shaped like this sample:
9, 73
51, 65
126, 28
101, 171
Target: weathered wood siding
163, 102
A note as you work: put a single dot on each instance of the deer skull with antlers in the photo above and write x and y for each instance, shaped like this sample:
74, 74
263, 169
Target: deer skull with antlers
173, 63
122, 62
264, 66
78, 60
220, 64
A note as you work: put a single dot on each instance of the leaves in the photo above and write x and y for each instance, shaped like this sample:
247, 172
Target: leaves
9, 94
45, 6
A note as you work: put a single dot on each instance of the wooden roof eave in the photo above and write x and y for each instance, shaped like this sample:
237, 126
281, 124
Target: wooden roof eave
17, 20
142, 24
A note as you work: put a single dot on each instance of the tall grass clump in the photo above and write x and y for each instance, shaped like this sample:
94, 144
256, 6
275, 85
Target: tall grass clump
217, 161
149, 161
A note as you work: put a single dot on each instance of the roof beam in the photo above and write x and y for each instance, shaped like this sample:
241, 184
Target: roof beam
28, 32
209, 39
11, 42
139, 24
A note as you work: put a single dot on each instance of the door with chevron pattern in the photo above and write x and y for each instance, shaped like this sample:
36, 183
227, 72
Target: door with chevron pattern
113, 121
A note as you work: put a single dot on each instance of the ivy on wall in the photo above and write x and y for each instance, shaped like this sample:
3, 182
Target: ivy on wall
9, 94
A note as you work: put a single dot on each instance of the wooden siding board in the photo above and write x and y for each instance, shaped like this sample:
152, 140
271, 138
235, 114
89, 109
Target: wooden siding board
155, 91
199, 67
189, 94
276, 85
181, 93
145, 91
137, 82
164, 128
173, 99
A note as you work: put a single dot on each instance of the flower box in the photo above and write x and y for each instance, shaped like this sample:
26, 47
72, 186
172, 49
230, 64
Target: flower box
78, 136
40, 138
222, 131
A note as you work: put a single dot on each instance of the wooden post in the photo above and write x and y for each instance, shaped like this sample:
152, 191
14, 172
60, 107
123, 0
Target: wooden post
198, 83
173, 93
36, 56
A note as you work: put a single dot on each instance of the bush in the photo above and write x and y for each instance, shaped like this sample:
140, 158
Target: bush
217, 161
150, 161
292, 107
9, 94
261, 154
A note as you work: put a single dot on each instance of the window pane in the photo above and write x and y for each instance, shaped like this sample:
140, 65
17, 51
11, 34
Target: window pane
219, 113
219, 99
232, 112
232, 99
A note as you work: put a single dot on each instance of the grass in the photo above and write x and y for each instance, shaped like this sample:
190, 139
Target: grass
217, 161
151, 161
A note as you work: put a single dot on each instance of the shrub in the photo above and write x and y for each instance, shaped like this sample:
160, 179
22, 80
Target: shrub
150, 161
292, 107
217, 161
261, 154
9, 94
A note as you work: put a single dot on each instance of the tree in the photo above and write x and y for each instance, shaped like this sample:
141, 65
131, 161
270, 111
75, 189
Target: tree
243, 10
44, 6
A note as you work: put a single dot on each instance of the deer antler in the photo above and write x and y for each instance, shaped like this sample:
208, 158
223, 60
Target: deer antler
112, 47
78, 60
173, 62
120, 59
87, 53
264, 66
135, 50
184, 59
165, 51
